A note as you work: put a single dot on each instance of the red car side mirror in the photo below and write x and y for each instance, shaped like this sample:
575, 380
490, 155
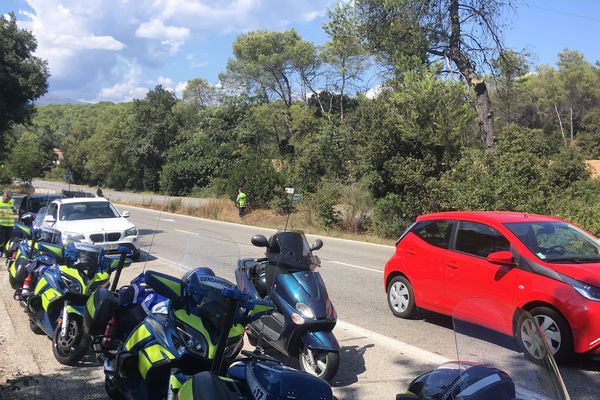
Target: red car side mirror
501, 258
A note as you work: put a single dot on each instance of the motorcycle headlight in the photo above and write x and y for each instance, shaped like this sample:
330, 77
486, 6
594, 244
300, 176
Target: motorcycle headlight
72, 284
68, 237
305, 310
131, 232
588, 291
193, 341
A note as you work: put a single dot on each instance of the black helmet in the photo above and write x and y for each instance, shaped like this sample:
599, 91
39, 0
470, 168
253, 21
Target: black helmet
28, 218
464, 381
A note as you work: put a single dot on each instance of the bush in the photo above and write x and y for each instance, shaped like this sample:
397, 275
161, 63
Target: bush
258, 179
322, 203
358, 205
394, 213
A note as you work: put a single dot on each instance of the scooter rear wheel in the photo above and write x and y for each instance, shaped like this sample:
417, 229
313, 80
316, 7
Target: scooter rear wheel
321, 363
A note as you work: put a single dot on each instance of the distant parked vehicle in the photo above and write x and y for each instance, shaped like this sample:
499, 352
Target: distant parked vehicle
544, 265
92, 220
34, 202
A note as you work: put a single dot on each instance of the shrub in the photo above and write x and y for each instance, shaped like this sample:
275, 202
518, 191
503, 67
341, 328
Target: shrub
322, 203
258, 179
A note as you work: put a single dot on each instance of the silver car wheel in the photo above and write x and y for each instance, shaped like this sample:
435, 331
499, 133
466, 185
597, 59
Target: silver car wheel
399, 296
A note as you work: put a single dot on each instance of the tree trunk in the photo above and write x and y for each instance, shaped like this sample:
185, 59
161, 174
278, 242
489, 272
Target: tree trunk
483, 106
562, 131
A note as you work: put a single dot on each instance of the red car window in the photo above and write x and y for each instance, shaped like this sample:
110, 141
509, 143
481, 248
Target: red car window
479, 239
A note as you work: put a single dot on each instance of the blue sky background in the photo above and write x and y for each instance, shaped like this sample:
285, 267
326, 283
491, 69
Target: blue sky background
116, 50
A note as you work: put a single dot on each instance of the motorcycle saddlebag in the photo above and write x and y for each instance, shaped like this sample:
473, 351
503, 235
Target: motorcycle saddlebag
209, 386
99, 309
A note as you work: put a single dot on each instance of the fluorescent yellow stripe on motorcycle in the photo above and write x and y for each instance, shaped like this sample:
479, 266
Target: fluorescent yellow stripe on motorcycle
186, 392
143, 364
175, 383
140, 334
259, 308
73, 273
152, 355
98, 280
72, 310
48, 296
91, 306
58, 250
174, 286
40, 285
196, 323
236, 330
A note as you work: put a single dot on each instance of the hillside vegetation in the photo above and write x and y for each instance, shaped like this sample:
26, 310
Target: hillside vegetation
362, 163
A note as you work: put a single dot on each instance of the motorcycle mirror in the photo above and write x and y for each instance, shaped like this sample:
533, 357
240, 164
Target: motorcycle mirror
317, 245
260, 241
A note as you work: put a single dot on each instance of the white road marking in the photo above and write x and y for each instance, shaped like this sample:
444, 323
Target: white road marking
355, 266
165, 219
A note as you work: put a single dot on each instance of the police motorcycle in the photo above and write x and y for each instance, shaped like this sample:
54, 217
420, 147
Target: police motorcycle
21, 231
491, 362
56, 306
180, 334
29, 243
304, 318
255, 376
111, 313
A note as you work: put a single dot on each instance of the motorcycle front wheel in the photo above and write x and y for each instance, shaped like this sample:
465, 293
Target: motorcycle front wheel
69, 350
321, 363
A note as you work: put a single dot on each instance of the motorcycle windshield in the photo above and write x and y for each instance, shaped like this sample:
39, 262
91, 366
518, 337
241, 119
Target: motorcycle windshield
291, 250
207, 267
505, 357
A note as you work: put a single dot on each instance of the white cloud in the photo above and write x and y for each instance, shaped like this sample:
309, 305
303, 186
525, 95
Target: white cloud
87, 42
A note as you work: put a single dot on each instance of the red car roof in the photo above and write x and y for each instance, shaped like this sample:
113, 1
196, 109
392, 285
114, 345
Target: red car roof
495, 216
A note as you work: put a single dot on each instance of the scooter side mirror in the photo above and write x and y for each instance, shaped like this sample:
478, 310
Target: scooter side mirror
317, 245
260, 241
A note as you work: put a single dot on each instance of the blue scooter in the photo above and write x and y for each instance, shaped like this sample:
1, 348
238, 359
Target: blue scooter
304, 318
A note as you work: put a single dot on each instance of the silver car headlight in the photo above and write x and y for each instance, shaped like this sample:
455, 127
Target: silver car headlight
131, 232
68, 237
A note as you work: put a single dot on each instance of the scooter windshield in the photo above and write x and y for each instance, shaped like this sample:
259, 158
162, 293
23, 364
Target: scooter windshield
291, 250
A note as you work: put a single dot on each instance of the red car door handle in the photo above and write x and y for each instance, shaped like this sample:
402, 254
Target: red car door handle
453, 265
410, 252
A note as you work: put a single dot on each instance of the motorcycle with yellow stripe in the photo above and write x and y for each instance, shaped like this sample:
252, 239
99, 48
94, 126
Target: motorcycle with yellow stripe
181, 333
27, 243
21, 231
56, 307
256, 376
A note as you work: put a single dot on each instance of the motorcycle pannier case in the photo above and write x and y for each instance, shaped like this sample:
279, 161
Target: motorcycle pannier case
99, 309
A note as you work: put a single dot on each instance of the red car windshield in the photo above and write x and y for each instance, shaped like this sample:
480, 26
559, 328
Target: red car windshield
556, 241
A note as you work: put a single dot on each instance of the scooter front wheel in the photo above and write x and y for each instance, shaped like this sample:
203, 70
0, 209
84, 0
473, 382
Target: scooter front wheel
321, 363
71, 348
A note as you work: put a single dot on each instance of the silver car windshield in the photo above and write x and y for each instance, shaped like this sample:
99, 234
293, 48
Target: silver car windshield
87, 210
557, 241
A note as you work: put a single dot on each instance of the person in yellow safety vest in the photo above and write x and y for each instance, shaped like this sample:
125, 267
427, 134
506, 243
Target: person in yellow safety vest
7, 219
242, 202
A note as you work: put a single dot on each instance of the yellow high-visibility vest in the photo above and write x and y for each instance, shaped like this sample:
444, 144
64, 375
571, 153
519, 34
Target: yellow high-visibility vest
6, 212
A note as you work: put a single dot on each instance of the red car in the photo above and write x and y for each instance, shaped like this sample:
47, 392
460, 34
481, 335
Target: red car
544, 265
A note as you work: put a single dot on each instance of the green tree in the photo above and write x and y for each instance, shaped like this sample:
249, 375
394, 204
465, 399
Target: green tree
23, 77
27, 158
464, 33
345, 52
270, 63
200, 93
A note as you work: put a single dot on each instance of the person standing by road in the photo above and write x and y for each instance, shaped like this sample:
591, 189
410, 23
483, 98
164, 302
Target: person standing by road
7, 220
242, 202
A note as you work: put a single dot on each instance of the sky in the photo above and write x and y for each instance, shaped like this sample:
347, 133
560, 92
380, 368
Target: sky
115, 50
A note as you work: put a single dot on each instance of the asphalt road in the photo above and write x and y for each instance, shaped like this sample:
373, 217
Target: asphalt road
380, 353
